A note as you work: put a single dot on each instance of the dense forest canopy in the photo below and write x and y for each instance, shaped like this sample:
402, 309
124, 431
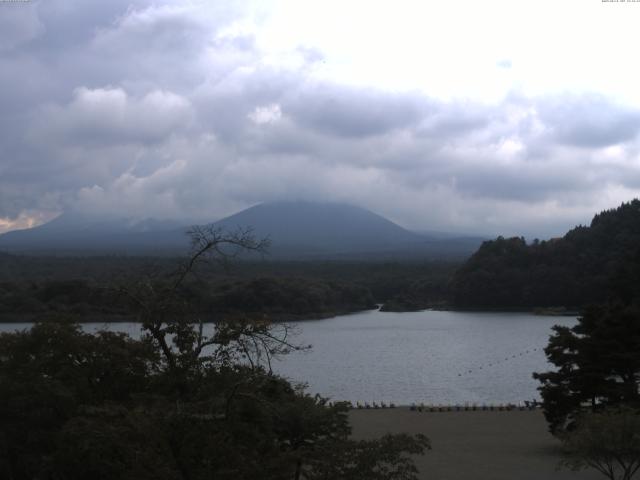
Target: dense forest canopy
587, 265
83, 286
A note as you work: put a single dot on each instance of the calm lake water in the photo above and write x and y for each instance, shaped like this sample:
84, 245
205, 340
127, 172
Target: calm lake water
432, 357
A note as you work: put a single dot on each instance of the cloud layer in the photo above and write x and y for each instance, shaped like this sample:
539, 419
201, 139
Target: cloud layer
178, 110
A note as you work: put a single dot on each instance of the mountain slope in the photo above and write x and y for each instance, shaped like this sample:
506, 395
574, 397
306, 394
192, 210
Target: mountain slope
587, 265
297, 230
305, 227
72, 233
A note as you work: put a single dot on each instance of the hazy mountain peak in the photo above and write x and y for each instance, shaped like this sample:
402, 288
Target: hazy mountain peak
322, 226
297, 229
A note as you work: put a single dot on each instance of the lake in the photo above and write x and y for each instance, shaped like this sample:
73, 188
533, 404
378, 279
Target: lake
435, 357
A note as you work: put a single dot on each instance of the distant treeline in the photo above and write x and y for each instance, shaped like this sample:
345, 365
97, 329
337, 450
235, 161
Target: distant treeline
275, 297
590, 264
88, 287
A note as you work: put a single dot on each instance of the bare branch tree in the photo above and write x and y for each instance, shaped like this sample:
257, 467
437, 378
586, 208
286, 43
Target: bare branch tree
175, 325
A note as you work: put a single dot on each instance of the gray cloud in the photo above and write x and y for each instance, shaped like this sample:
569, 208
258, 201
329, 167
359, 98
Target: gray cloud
354, 112
590, 121
19, 24
110, 116
159, 109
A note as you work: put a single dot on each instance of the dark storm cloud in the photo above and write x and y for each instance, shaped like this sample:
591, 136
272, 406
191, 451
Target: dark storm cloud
73, 24
162, 109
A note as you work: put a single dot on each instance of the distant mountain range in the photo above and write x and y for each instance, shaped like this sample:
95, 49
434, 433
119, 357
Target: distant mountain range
297, 230
81, 234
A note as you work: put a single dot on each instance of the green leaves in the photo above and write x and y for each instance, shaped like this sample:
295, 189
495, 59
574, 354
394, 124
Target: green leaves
608, 441
598, 364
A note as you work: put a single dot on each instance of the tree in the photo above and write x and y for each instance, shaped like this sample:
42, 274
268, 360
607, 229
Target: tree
598, 364
177, 404
49, 374
608, 441
588, 264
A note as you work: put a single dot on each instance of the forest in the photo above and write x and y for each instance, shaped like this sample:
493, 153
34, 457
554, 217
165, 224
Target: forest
87, 287
587, 265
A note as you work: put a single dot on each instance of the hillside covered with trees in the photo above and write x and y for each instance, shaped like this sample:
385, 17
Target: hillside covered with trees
588, 265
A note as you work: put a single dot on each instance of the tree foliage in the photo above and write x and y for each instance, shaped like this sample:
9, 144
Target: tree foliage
608, 441
598, 364
176, 404
586, 266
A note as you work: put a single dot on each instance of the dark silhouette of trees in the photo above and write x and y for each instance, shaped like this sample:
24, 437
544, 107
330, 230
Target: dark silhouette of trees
598, 364
608, 441
176, 404
587, 265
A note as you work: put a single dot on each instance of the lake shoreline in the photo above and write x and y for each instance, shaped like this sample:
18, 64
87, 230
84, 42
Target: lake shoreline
280, 317
115, 318
541, 311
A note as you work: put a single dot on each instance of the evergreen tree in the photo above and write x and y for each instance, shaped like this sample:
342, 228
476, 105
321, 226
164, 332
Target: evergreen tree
598, 364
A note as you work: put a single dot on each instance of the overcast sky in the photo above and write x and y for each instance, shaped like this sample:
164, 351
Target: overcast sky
493, 117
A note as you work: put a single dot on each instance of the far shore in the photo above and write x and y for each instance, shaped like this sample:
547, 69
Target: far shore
114, 318
479, 445
278, 317
543, 311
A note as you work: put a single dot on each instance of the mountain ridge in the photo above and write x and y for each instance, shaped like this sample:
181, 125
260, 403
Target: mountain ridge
297, 230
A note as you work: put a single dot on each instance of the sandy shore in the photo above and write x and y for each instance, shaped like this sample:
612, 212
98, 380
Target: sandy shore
477, 445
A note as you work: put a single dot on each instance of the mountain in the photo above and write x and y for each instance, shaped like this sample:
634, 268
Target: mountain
72, 233
590, 264
297, 230
317, 228
309, 230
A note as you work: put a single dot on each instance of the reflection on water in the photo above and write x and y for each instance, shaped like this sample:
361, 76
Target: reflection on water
431, 357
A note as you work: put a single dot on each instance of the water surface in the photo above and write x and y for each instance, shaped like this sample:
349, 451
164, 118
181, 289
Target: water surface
432, 356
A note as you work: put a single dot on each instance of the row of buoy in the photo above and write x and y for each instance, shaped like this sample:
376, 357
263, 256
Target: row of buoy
501, 407
365, 405
467, 407
500, 361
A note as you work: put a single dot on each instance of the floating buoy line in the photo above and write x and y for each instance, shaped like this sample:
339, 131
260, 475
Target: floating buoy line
499, 361
466, 407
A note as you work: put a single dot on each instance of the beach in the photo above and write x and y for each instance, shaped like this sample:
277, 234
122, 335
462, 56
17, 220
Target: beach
479, 445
